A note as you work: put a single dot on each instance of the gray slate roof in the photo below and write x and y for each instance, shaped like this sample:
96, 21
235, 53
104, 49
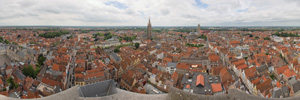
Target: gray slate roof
277, 93
115, 57
19, 74
285, 91
99, 89
171, 64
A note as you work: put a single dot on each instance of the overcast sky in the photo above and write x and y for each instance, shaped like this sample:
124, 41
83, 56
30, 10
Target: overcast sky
161, 12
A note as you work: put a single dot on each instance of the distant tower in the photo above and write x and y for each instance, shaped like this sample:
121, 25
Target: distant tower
149, 30
199, 29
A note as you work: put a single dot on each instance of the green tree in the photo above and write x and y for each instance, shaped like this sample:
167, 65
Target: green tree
267, 53
41, 60
283, 34
266, 38
15, 43
53, 34
195, 45
137, 45
29, 71
12, 84
116, 50
202, 36
6, 41
108, 36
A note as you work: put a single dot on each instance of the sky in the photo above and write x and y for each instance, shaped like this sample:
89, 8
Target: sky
161, 12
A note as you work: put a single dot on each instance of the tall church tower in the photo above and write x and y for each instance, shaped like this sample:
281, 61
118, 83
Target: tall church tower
199, 29
149, 30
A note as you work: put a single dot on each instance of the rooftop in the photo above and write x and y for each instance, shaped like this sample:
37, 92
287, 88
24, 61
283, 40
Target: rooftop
174, 94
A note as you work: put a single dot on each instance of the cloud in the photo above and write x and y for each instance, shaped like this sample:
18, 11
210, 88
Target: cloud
165, 12
200, 4
116, 4
161, 12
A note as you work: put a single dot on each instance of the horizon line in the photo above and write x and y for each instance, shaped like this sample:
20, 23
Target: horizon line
146, 26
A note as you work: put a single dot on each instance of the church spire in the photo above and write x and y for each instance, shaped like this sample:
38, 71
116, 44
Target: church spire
149, 30
149, 22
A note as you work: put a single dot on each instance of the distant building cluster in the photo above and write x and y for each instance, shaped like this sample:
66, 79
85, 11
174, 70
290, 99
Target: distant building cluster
195, 60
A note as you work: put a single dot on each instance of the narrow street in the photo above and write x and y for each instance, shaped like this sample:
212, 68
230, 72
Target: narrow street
70, 78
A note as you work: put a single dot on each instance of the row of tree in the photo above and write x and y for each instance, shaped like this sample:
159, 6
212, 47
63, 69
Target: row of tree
53, 34
202, 36
285, 34
127, 38
117, 49
267, 38
194, 45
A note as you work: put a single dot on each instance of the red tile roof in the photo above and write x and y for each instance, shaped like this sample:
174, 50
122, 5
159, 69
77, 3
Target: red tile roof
79, 75
97, 75
167, 59
154, 71
240, 62
183, 66
214, 58
93, 71
234, 42
278, 84
79, 70
257, 81
250, 71
51, 82
55, 67
175, 76
244, 66
200, 80
1, 82
264, 86
280, 70
217, 87
289, 73
4, 93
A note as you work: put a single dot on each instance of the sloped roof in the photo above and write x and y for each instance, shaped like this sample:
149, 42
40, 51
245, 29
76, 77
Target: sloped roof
98, 89
93, 75
264, 85
289, 73
200, 80
250, 71
115, 57
51, 82
216, 87
183, 66
240, 62
280, 70
19, 74
214, 58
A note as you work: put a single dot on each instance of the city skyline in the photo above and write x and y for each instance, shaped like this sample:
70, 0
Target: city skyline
162, 13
